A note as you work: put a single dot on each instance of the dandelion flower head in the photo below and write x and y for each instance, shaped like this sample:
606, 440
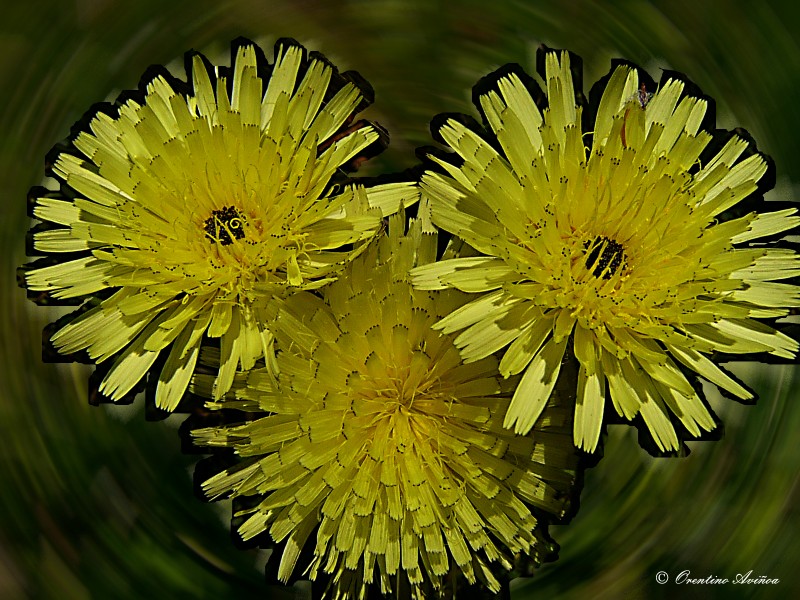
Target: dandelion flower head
381, 446
187, 207
624, 236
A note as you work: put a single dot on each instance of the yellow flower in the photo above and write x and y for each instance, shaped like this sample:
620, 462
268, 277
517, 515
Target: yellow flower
624, 250
195, 204
382, 445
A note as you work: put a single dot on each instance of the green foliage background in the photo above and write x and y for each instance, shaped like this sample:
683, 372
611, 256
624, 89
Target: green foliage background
97, 503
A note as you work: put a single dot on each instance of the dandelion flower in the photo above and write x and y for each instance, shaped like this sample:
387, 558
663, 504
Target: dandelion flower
628, 244
192, 205
382, 445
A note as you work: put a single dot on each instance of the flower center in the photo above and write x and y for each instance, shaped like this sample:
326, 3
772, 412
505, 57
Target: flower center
604, 257
224, 225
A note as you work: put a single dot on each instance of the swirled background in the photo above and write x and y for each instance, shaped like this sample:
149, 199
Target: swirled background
98, 503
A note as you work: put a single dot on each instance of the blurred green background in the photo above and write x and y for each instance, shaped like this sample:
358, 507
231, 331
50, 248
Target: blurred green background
97, 503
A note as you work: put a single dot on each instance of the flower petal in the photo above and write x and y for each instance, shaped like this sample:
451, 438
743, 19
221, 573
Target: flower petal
535, 387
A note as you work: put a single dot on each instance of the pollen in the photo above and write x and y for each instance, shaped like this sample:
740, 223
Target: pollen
225, 225
604, 257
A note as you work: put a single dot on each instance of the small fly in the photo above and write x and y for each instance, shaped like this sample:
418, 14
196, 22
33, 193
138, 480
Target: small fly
643, 98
